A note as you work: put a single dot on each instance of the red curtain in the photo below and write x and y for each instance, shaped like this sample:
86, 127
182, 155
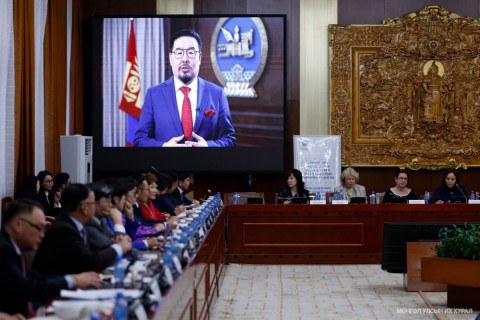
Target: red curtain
23, 24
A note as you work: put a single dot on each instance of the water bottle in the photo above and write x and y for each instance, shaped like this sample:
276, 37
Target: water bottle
170, 261
120, 310
472, 195
341, 195
119, 270
426, 197
373, 198
236, 198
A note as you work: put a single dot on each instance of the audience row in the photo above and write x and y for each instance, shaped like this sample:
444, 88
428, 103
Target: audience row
88, 229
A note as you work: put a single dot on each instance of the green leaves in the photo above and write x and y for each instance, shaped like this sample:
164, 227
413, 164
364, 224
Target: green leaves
459, 243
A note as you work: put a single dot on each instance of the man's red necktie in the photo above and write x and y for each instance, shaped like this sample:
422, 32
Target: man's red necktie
187, 122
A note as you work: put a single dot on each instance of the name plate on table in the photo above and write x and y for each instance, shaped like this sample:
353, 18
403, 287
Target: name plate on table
339, 201
416, 201
473, 201
320, 201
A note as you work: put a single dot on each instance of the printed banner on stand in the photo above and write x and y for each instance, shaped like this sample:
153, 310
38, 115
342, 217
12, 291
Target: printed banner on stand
319, 160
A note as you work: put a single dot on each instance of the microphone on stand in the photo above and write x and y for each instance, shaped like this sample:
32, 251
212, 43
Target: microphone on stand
155, 169
464, 195
205, 196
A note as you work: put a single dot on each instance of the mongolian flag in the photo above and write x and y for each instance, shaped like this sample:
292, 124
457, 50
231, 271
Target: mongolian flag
131, 101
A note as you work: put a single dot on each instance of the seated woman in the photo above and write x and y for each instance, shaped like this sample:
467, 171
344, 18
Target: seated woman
400, 190
149, 211
449, 188
295, 189
349, 186
47, 196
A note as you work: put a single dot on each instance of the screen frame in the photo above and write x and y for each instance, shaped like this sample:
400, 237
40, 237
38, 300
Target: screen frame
140, 159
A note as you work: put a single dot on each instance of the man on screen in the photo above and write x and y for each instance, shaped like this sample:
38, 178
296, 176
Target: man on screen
185, 110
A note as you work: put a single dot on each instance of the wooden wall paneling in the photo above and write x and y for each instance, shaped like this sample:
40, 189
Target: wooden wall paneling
119, 7
174, 7
215, 7
395, 9
469, 8
355, 12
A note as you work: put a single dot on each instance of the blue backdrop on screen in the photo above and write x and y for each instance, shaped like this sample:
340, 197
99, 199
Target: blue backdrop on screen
244, 24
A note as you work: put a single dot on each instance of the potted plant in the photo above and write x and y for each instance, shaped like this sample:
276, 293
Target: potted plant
457, 264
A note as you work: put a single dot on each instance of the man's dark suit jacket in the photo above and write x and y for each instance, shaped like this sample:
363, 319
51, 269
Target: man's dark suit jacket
15, 289
63, 252
177, 198
99, 234
48, 203
160, 121
165, 202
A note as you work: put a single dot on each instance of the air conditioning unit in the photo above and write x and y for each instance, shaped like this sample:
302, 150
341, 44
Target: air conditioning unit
77, 157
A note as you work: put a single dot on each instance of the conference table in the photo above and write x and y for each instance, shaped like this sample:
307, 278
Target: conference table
325, 234
292, 234
194, 291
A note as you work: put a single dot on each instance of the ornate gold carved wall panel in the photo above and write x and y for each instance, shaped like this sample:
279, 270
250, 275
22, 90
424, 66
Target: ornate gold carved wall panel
407, 92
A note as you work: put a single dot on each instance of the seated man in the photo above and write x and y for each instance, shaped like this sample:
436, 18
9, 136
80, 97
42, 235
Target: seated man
61, 181
64, 248
165, 200
19, 287
182, 187
100, 236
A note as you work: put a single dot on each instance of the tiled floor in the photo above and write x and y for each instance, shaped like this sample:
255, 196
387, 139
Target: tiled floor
323, 292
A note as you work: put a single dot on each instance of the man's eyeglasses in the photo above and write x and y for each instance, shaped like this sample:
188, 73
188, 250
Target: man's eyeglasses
39, 228
191, 53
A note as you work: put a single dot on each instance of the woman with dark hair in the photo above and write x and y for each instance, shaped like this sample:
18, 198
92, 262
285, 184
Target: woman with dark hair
400, 189
47, 196
295, 189
450, 188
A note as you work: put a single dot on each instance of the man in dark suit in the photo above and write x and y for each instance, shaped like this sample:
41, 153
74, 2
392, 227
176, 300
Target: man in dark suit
185, 110
182, 187
65, 248
99, 234
21, 288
